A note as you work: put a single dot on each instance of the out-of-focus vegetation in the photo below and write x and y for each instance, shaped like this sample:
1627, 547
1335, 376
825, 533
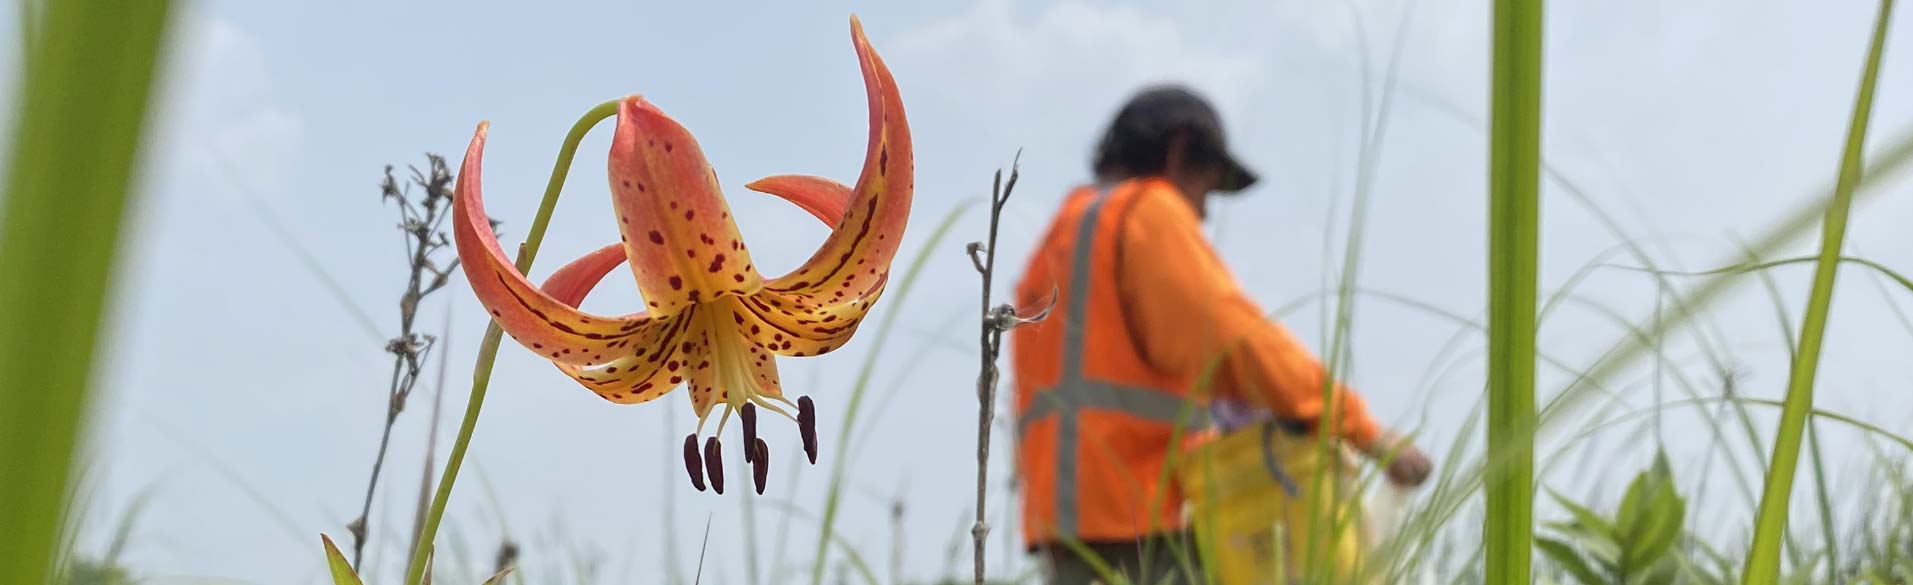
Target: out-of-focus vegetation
74, 155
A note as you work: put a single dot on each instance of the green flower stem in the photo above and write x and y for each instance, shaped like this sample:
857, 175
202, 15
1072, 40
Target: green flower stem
488, 351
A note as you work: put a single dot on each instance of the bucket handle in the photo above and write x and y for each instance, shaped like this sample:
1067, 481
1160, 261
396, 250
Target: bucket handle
1269, 462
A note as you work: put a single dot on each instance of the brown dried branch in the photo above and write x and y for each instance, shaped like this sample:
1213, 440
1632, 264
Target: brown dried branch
421, 221
994, 322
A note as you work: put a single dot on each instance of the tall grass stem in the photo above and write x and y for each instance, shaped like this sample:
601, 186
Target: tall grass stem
1514, 180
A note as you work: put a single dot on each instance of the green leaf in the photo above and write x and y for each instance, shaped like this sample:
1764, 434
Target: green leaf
1628, 520
498, 579
1585, 517
1657, 517
79, 116
1653, 544
1663, 572
342, 573
1602, 548
1770, 523
1562, 554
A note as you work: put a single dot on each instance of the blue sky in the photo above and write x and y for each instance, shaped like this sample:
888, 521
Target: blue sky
241, 393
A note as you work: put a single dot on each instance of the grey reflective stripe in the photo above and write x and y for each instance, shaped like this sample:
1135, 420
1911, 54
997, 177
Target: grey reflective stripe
1074, 392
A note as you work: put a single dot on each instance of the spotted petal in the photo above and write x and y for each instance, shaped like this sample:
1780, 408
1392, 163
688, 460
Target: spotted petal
653, 364
543, 324
678, 232
866, 237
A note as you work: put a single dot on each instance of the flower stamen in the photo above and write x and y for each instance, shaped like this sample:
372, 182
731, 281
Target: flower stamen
714, 464
692, 464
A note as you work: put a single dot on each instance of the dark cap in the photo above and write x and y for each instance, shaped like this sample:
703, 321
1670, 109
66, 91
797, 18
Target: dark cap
1137, 141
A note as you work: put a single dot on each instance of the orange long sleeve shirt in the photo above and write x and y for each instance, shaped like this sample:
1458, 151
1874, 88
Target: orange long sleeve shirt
1185, 310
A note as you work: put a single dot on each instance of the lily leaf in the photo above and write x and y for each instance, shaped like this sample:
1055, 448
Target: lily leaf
342, 573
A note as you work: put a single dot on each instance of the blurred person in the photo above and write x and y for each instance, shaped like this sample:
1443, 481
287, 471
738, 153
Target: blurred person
1148, 326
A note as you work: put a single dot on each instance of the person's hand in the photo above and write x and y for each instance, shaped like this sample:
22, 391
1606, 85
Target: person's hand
1408, 466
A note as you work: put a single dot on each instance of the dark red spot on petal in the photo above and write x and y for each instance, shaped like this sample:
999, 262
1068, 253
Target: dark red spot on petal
657, 238
677, 283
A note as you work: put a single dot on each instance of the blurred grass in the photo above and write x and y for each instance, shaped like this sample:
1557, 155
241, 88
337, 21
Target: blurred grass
1763, 560
833, 496
74, 155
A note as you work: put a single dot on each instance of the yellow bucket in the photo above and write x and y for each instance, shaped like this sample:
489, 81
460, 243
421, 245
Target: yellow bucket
1249, 494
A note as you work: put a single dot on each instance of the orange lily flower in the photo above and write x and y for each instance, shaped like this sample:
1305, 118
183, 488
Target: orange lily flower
712, 321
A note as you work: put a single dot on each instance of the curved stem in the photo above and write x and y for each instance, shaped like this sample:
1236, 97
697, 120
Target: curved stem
488, 351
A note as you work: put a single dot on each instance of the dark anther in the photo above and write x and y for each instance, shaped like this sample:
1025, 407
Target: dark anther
749, 416
714, 464
692, 464
807, 424
760, 464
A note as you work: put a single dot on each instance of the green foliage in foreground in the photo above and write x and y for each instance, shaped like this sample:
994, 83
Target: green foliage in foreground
1634, 546
88, 69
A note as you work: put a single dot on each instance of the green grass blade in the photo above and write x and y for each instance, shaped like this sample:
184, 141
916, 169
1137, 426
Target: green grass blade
833, 497
1770, 524
1514, 239
76, 142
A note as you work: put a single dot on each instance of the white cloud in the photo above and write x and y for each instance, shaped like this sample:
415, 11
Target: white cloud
219, 112
1073, 48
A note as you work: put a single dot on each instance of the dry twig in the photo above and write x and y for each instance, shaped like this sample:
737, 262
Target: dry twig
421, 220
995, 321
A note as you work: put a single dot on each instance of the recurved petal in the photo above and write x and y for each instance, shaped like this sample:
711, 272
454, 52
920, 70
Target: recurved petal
551, 328
867, 235
823, 198
570, 284
651, 366
678, 232
654, 363
805, 325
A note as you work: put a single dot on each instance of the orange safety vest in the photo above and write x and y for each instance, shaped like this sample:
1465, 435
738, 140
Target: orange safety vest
1094, 421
